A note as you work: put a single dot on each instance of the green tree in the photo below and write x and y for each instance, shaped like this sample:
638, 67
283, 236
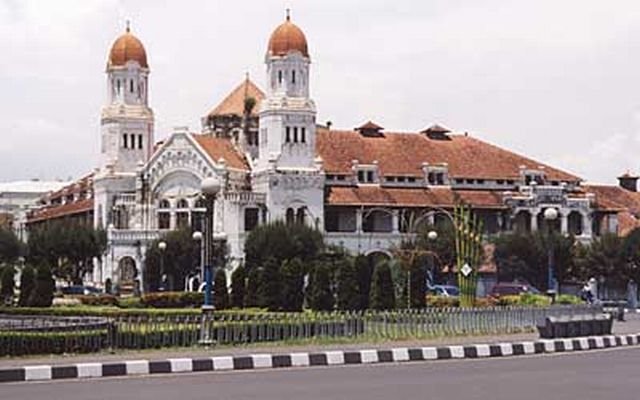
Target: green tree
292, 272
364, 270
27, 285
238, 286
220, 290
180, 258
319, 291
7, 283
603, 257
254, 282
42, 294
418, 281
270, 290
282, 241
10, 246
347, 288
382, 288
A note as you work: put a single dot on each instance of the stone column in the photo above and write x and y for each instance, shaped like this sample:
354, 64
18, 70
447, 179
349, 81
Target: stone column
534, 220
172, 220
564, 222
395, 221
359, 220
586, 225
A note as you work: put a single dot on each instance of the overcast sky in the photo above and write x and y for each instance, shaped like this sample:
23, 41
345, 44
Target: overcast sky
556, 80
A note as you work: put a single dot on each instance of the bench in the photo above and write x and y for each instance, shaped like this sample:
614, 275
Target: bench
576, 326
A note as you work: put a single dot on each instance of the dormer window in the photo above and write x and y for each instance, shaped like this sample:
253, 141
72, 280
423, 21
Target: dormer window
370, 130
530, 176
437, 132
366, 176
436, 175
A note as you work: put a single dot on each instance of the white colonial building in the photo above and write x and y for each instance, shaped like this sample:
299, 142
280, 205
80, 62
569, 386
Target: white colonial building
360, 187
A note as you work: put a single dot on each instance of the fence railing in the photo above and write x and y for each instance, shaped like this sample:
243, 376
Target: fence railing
57, 335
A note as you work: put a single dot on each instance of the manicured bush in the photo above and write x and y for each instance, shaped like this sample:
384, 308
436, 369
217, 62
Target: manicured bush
220, 290
382, 296
442, 302
364, 270
320, 297
418, 282
172, 299
254, 280
347, 289
130, 302
7, 284
100, 300
27, 284
270, 290
568, 299
238, 286
42, 294
292, 272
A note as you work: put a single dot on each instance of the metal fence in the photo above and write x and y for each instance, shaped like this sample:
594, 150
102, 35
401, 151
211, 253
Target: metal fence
156, 331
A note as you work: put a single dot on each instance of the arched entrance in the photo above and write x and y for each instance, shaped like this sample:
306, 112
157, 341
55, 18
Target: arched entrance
127, 271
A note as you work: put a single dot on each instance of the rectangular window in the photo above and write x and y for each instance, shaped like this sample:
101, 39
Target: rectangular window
132, 141
124, 140
293, 76
360, 176
369, 176
250, 219
303, 135
431, 178
411, 179
288, 135
164, 220
295, 134
140, 142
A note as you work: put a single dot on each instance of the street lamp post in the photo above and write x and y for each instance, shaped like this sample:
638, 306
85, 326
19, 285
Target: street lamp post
550, 215
162, 246
210, 188
432, 236
197, 237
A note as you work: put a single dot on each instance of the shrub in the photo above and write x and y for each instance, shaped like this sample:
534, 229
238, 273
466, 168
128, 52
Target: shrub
536, 300
27, 284
319, 290
511, 300
270, 290
442, 302
568, 299
254, 280
42, 294
130, 302
364, 270
347, 289
382, 295
292, 273
101, 300
238, 286
220, 290
7, 284
172, 299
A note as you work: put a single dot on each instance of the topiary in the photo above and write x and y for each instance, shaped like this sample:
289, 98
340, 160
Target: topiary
220, 290
42, 295
270, 290
319, 291
238, 286
347, 288
292, 273
7, 284
27, 284
382, 296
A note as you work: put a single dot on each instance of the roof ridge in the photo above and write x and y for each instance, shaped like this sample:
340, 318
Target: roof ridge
246, 87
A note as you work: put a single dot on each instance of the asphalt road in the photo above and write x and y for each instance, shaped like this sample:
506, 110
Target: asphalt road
607, 374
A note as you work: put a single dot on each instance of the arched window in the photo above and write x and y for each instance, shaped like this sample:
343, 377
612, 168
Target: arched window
164, 203
140, 142
295, 134
289, 217
303, 135
293, 76
118, 84
132, 141
182, 203
131, 85
300, 213
279, 77
124, 140
288, 134
200, 203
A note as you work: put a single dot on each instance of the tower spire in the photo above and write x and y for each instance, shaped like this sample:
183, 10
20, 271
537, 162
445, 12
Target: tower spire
288, 14
128, 29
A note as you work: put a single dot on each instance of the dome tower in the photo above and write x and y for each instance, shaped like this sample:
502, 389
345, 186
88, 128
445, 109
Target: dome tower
127, 120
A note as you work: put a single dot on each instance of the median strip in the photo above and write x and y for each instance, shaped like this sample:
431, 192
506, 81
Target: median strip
300, 360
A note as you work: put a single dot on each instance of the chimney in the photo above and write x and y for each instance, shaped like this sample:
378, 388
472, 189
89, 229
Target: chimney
628, 181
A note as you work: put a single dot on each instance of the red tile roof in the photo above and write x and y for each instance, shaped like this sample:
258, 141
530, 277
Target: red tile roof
404, 154
233, 104
218, 148
52, 212
373, 195
614, 198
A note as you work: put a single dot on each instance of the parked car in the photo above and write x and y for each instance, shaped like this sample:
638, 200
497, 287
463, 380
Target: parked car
444, 290
512, 289
80, 290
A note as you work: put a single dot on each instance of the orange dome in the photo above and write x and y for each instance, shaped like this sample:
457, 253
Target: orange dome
127, 48
287, 37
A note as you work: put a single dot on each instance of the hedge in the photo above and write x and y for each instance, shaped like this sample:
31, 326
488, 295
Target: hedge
26, 343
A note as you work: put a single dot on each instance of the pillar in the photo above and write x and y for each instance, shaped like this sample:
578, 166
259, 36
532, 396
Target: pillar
359, 220
395, 221
534, 220
586, 225
564, 222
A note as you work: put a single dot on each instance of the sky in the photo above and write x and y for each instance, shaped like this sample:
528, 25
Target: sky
556, 80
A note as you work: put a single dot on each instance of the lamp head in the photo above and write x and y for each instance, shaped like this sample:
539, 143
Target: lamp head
550, 214
211, 185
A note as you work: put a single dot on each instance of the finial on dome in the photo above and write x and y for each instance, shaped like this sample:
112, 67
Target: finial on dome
128, 29
288, 14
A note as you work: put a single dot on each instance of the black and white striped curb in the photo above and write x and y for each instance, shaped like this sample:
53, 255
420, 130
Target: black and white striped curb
327, 358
